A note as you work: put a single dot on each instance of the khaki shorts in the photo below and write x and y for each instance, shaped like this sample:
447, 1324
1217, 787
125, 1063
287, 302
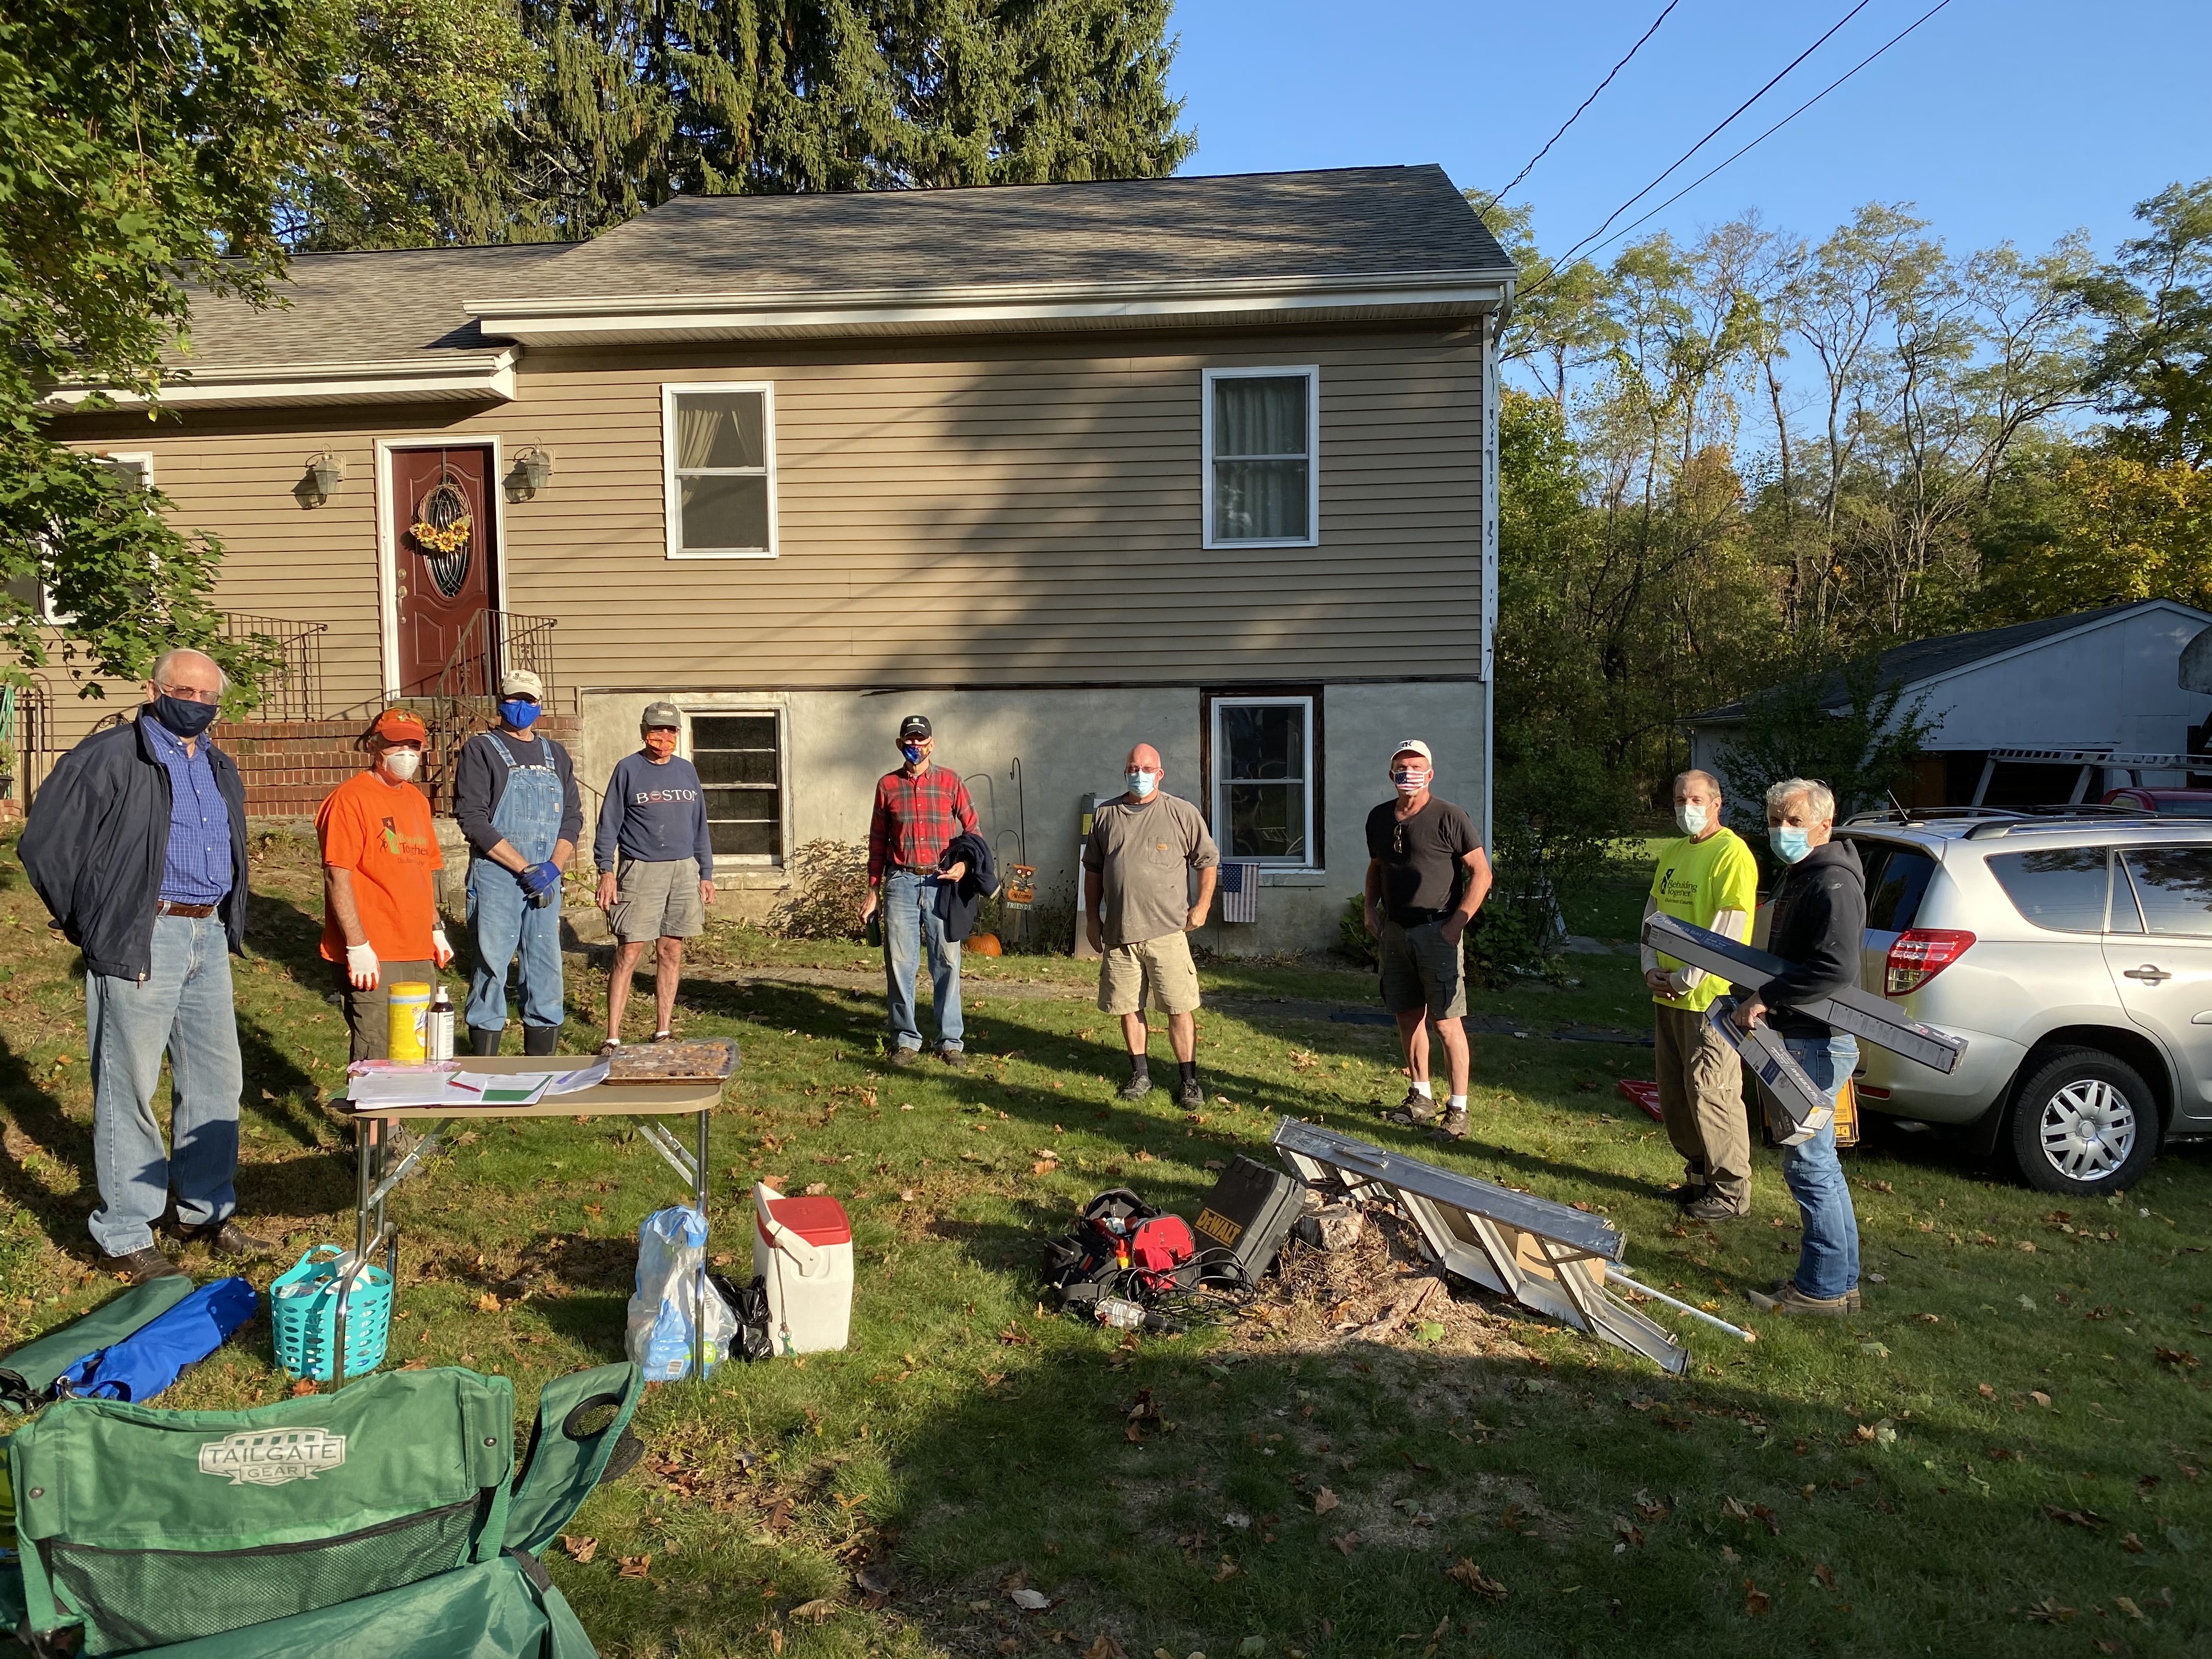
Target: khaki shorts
1420, 970
1152, 973
657, 898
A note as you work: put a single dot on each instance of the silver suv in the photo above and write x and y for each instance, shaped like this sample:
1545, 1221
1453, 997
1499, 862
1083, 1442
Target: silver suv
2073, 951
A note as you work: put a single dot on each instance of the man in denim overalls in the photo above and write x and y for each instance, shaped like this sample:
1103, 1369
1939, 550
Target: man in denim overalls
516, 797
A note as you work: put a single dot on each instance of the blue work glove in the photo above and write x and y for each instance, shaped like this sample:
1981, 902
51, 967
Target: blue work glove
540, 877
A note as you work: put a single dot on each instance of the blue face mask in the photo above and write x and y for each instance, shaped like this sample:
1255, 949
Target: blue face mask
1790, 843
913, 753
520, 713
1143, 783
186, 719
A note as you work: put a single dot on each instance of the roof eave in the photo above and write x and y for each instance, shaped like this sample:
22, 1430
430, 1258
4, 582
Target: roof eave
454, 377
1007, 309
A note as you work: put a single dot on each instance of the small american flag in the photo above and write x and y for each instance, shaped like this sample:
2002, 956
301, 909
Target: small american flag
1240, 892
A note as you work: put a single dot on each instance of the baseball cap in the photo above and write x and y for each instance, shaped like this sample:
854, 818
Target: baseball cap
521, 682
398, 725
915, 726
659, 714
1414, 746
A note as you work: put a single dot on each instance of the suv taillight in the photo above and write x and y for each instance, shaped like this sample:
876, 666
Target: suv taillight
1921, 954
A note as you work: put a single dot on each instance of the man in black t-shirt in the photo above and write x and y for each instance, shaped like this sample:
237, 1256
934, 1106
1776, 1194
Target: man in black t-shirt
1426, 877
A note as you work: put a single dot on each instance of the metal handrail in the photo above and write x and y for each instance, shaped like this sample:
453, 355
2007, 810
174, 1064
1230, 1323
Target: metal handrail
294, 690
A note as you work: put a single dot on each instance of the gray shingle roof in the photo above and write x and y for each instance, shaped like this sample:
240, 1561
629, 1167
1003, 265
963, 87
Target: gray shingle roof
385, 307
1351, 222
1911, 664
367, 307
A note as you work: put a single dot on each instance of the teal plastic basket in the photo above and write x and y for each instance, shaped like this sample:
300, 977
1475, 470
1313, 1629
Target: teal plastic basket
303, 1306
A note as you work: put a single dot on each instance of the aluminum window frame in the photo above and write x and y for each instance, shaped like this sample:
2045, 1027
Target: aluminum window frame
672, 477
1207, 540
687, 746
1219, 781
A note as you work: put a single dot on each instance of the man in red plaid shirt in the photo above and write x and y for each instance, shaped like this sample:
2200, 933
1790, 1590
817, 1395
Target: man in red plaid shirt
919, 810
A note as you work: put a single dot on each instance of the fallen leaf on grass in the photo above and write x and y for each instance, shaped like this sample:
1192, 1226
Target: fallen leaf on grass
1324, 1501
487, 1302
1225, 1572
815, 1611
908, 1195
1105, 1647
634, 1566
1824, 1575
779, 1516
1755, 1600
1344, 1542
2126, 1605
1029, 1601
1476, 1579
2179, 1358
774, 1641
2039, 1397
1985, 1391
2088, 1518
2048, 1612
580, 1550
2132, 1544
304, 1385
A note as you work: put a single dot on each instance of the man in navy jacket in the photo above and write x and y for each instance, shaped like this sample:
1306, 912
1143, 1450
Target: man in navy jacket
136, 843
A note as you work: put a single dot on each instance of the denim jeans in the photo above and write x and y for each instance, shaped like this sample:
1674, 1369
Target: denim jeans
182, 1006
1828, 1259
910, 924
501, 919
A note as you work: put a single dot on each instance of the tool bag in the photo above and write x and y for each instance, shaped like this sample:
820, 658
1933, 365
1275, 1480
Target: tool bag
28, 1376
1121, 1242
152, 1357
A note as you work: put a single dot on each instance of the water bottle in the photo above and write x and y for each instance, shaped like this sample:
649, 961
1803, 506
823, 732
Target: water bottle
440, 1035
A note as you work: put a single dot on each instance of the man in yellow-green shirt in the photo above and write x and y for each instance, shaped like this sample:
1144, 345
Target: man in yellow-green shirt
1710, 878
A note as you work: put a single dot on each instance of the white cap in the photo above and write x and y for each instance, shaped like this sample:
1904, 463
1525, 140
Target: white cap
1414, 746
520, 681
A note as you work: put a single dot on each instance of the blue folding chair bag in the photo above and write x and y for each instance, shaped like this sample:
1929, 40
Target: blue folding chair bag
152, 1357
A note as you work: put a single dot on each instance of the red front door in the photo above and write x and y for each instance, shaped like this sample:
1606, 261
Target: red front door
441, 514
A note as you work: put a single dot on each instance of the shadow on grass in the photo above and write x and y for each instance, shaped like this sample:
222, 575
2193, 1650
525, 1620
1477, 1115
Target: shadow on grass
41, 1116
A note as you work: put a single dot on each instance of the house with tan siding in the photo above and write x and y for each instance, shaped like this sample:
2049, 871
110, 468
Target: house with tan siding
1202, 462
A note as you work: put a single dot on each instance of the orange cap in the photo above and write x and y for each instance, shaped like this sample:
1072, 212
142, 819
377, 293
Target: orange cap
398, 725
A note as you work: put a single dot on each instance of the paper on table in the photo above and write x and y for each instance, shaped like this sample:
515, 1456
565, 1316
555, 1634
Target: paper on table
505, 1088
427, 1085
584, 1077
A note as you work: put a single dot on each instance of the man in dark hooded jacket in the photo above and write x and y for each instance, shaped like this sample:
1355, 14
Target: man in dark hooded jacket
1819, 925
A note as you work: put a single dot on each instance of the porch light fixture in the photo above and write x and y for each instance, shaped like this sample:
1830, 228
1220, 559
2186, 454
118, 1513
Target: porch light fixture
326, 472
531, 472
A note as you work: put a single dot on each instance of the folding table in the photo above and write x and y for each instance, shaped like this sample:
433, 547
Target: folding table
644, 1103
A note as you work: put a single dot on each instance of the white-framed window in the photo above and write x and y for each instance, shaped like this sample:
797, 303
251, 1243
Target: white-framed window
132, 471
740, 755
1264, 759
1262, 457
717, 447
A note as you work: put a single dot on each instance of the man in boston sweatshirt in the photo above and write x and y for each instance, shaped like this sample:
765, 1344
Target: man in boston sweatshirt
653, 827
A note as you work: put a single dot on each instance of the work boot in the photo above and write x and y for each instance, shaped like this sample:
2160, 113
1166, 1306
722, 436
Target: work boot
1136, 1087
1689, 1193
1785, 1297
903, 1056
140, 1264
482, 1043
1454, 1127
541, 1039
1713, 1207
1192, 1096
1418, 1107
955, 1058
226, 1237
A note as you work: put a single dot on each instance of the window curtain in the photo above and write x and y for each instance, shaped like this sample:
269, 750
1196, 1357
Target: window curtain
719, 430
1260, 466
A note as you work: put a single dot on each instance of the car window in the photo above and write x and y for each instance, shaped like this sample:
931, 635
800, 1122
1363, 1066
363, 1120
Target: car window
2061, 888
2175, 886
2127, 914
1896, 879
2183, 809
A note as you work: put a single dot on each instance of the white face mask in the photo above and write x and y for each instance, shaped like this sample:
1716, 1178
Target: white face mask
1692, 817
1409, 780
401, 764
1142, 782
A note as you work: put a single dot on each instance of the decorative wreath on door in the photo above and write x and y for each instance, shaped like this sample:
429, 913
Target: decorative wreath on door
441, 527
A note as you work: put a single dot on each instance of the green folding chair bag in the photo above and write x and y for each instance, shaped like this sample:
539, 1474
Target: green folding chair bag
148, 1526
443, 1592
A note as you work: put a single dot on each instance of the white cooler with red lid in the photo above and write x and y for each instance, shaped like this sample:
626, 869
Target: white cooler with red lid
803, 1247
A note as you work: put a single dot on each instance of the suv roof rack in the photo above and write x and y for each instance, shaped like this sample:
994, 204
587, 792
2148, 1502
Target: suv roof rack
2102, 817
1922, 814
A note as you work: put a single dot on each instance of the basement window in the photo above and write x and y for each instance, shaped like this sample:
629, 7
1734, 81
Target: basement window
740, 757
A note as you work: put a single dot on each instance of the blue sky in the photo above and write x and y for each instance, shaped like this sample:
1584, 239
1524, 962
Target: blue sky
2002, 119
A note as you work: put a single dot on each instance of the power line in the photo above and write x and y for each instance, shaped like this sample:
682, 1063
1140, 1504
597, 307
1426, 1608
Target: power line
1779, 125
1569, 256
1501, 196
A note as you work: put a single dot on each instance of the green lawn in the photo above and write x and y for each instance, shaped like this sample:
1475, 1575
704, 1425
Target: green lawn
2004, 1456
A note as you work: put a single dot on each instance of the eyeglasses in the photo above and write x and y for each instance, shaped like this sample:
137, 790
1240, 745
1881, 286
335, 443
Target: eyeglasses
189, 692
1398, 840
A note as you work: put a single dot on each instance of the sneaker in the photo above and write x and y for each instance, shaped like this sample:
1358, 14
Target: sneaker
1713, 1207
1785, 1297
1454, 1127
612, 1045
1418, 1107
1192, 1096
904, 1056
141, 1265
1136, 1088
1687, 1193
955, 1058
226, 1238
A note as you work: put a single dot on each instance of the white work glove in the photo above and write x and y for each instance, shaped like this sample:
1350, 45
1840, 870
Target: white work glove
361, 966
441, 948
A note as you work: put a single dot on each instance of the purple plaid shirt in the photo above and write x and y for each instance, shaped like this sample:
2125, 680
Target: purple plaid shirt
198, 868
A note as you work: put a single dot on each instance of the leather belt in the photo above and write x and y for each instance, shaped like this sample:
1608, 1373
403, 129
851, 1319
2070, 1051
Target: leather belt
1414, 916
171, 908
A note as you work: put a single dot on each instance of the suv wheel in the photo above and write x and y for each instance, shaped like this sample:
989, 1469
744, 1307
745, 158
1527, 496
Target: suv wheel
2083, 1124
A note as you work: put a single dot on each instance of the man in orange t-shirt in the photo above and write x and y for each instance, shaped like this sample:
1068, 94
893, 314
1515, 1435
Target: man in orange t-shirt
381, 860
